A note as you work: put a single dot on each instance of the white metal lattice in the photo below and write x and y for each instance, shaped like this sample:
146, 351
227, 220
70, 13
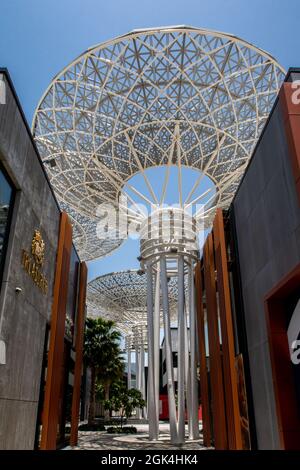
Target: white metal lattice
122, 297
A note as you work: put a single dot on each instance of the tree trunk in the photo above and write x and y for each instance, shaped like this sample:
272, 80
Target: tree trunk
91, 419
106, 397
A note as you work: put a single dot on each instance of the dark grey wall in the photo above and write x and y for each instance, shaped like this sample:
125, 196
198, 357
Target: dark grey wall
23, 316
268, 231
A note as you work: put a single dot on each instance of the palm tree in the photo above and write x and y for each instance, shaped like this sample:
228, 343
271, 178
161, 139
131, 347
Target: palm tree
108, 374
103, 355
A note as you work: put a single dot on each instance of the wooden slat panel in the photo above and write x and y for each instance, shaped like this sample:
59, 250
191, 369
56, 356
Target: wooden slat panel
230, 382
202, 354
79, 353
57, 330
217, 389
290, 109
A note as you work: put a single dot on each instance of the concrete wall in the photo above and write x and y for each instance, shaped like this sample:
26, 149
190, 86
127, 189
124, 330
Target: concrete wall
23, 315
73, 284
267, 217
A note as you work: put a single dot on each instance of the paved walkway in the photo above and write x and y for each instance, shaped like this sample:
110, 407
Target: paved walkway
89, 440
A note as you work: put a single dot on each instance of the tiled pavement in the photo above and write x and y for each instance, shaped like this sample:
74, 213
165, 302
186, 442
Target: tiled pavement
89, 440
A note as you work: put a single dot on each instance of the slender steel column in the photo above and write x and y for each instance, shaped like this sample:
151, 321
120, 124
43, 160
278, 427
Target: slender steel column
215, 353
129, 367
187, 374
194, 383
137, 366
168, 344
153, 432
137, 375
181, 352
157, 346
142, 375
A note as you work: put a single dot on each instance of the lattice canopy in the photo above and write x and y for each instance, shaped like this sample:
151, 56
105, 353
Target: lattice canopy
167, 96
122, 297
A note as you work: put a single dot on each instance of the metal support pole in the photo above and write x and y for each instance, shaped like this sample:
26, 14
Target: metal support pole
129, 367
137, 375
194, 383
153, 432
181, 352
187, 374
169, 359
157, 344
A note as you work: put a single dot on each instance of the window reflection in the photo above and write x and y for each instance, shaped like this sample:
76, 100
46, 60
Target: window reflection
5, 202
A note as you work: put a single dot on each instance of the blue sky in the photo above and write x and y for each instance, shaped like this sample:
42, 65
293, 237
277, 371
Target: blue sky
38, 38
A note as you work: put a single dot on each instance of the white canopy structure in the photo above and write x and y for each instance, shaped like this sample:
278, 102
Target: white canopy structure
160, 97
122, 297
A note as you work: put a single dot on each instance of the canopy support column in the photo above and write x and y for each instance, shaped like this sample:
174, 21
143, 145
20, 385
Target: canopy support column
152, 414
169, 358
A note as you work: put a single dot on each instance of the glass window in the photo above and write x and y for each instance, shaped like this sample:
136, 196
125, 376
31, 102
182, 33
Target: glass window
6, 197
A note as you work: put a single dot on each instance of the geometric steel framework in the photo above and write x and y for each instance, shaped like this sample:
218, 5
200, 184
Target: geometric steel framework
122, 297
166, 96
84, 231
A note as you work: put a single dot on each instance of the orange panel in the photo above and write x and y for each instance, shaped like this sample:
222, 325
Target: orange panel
202, 354
57, 331
287, 406
215, 359
230, 382
291, 118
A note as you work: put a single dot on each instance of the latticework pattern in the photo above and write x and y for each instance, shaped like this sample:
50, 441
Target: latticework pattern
84, 235
122, 297
167, 96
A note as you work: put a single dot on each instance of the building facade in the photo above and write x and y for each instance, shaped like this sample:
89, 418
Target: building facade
42, 295
248, 297
267, 222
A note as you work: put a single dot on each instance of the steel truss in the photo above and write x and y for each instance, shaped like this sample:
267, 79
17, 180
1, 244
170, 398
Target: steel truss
176, 96
165, 96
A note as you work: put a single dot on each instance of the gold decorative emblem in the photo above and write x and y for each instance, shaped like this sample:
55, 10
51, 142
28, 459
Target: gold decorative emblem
32, 263
38, 248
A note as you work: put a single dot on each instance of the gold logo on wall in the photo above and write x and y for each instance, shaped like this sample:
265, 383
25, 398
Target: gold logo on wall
38, 248
33, 263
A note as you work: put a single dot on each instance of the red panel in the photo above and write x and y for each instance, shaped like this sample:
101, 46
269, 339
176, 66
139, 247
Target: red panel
202, 355
287, 405
230, 379
80, 321
291, 117
215, 357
